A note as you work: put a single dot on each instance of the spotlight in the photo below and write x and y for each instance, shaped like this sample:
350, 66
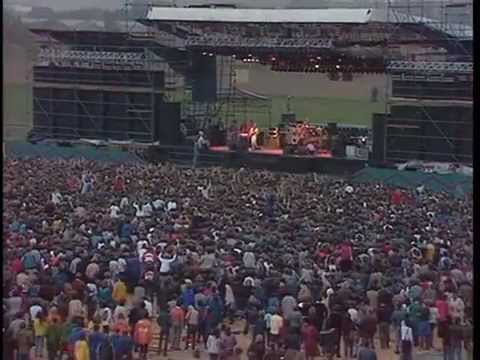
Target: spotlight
204, 53
234, 56
210, 54
274, 58
337, 67
317, 66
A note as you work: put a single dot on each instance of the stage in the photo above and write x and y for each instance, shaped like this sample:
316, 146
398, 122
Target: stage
271, 152
270, 159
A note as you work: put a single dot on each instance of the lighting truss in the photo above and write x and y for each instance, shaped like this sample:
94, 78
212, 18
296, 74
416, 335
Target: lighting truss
242, 42
89, 59
430, 67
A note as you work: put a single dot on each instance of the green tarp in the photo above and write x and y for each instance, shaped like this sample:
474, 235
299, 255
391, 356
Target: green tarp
452, 183
53, 151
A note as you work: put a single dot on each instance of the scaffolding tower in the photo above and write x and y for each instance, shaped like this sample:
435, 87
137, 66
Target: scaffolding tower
434, 74
75, 81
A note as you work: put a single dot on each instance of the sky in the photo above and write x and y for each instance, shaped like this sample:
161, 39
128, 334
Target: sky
60, 5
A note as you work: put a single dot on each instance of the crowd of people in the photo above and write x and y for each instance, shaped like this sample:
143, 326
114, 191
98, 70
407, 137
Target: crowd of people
105, 261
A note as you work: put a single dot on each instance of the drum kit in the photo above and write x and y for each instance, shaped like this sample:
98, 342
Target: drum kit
301, 134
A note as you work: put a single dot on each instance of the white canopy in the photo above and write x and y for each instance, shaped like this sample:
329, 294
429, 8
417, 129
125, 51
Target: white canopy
358, 16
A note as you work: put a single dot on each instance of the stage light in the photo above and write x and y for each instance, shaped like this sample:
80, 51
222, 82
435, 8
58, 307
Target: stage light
210, 54
337, 67
204, 53
317, 66
234, 56
274, 58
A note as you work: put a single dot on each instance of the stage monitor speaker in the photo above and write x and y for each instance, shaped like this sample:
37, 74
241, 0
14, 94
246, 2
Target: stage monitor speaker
333, 76
332, 128
167, 123
347, 76
203, 78
288, 118
378, 129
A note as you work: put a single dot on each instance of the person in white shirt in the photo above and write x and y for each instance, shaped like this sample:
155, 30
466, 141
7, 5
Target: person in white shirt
213, 345
148, 307
113, 267
199, 144
165, 263
34, 311
171, 205
456, 307
406, 335
56, 197
139, 212
114, 210
147, 209
276, 324
141, 252
124, 202
158, 204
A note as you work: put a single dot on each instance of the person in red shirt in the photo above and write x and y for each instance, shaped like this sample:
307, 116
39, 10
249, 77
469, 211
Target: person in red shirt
177, 316
73, 184
119, 184
142, 336
396, 197
442, 307
346, 257
16, 265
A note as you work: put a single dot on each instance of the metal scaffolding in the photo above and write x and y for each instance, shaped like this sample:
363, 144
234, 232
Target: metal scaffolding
134, 69
427, 77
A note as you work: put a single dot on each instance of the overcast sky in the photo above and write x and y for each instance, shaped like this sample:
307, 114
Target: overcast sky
115, 4
60, 5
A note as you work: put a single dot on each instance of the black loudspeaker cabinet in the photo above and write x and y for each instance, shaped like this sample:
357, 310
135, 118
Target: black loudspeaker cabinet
167, 123
203, 77
288, 118
332, 128
378, 129
431, 133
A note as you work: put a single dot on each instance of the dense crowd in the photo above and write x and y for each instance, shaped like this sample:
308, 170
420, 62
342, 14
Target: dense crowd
98, 257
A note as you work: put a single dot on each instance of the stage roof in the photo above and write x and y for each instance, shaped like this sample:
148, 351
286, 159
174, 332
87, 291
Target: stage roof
357, 16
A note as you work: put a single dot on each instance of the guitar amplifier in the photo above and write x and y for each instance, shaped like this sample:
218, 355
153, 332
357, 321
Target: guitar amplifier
273, 139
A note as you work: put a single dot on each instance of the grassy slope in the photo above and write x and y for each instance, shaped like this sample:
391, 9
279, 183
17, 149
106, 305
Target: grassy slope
318, 111
17, 107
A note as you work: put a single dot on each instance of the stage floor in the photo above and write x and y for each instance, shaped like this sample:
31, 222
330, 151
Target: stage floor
273, 152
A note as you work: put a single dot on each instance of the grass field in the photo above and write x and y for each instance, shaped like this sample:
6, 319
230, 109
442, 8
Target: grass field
323, 110
17, 110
